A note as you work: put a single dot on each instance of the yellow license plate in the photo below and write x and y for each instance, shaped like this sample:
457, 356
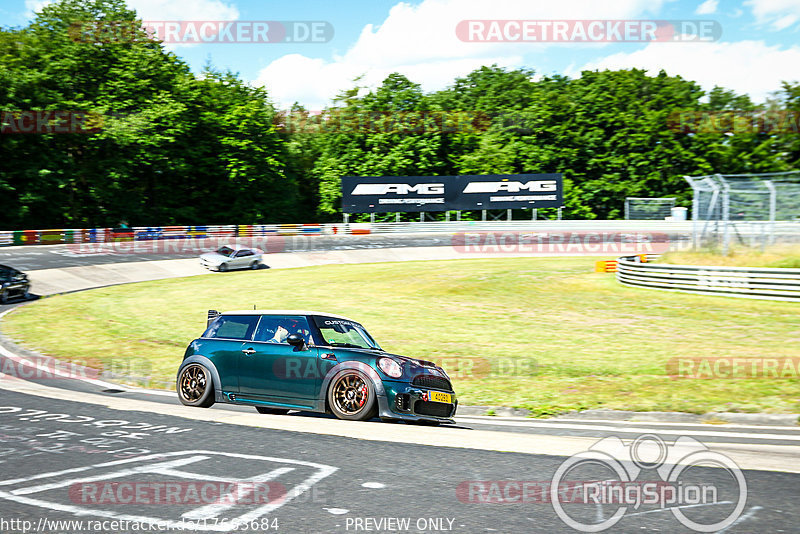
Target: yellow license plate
438, 396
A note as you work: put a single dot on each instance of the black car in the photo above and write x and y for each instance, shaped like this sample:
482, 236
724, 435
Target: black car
13, 283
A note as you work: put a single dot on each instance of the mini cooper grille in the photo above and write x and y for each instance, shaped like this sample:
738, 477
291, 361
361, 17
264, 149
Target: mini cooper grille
436, 409
430, 381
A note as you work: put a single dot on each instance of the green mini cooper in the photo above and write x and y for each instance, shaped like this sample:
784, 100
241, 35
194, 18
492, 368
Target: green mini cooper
278, 361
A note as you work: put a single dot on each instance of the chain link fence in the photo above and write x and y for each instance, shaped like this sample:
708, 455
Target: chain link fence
641, 208
752, 210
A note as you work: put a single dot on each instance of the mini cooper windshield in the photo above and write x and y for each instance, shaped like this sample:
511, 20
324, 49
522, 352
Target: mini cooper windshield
343, 333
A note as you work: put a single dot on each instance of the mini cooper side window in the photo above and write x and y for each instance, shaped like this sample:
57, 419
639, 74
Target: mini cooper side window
232, 327
276, 328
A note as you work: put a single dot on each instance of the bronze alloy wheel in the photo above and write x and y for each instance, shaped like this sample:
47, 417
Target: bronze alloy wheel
195, 387
352, 397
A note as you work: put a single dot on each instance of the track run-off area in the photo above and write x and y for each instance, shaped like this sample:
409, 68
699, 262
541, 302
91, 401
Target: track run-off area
78, 455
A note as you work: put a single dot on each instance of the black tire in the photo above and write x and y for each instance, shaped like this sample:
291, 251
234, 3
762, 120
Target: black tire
3, 297
223, 267
255, 265
271, 411
195, 386
347, 406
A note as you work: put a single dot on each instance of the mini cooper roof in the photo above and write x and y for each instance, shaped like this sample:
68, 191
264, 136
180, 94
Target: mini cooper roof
286, 312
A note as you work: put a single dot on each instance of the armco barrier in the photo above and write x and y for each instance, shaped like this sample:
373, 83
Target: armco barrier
678, 231
744, 282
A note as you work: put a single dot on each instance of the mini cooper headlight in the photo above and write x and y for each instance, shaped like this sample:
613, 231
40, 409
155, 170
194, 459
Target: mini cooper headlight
390, 367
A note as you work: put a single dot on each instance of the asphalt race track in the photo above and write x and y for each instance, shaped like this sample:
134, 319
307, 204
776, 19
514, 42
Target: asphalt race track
58, 256
91, 454
42, 438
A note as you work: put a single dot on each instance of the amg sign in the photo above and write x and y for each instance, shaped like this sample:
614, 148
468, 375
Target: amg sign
511, 187
381, 194
398, 189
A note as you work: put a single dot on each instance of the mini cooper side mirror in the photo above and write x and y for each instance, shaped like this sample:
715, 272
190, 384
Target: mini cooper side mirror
296, 340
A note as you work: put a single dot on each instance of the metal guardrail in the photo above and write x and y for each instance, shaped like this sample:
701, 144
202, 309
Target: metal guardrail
786, 230
743, 282
106, 235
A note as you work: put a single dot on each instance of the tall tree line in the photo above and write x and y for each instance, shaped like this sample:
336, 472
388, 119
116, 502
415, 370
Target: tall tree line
177, 148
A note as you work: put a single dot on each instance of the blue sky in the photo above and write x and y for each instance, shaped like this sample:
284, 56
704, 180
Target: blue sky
759, 46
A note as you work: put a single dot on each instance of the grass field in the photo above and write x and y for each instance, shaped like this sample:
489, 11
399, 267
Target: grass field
555, 335
783, 256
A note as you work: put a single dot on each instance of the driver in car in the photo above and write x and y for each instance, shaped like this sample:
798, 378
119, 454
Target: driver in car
280, 335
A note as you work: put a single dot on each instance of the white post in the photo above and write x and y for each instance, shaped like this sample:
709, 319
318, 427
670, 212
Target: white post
773, 208
695, 214
726, 216
712, 205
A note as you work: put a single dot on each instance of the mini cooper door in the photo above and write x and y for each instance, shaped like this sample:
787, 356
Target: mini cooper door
272, 368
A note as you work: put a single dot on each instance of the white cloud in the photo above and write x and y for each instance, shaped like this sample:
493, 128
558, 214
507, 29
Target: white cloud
749, 67
34, 6
167, 9
315, 82
780, 14
184, 9
709, 7
420, 42
176, 10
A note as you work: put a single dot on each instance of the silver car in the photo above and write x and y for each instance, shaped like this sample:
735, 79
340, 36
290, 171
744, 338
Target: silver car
230, 257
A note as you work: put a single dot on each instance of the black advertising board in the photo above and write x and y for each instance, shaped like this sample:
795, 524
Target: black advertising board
382, 194
501, 191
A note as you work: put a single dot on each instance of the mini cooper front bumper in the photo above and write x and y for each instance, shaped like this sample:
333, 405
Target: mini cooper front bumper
415, 403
